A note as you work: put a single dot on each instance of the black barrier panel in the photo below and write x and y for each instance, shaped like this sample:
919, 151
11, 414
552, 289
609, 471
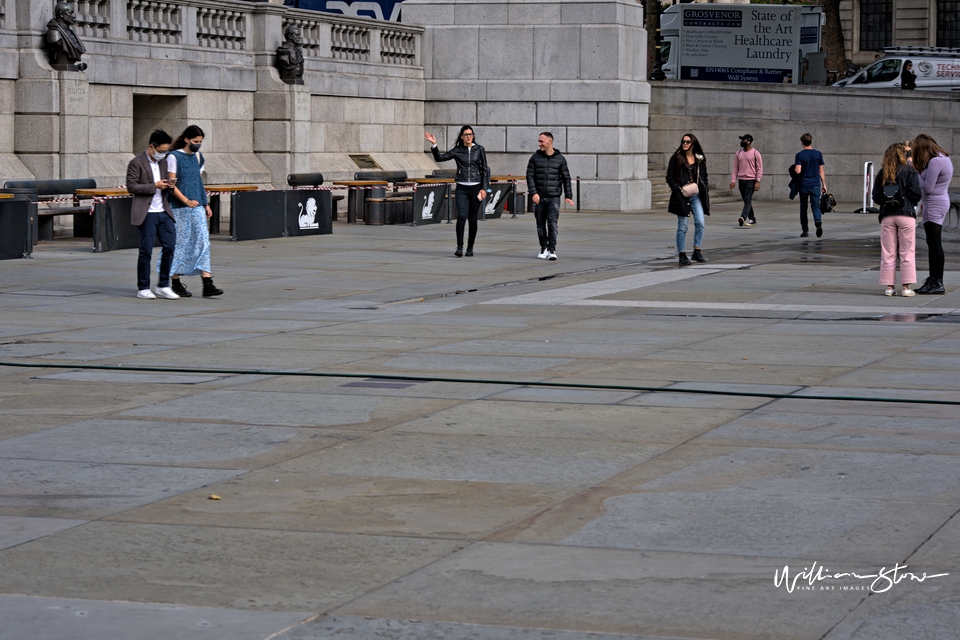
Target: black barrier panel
428, 204
15, 236
111, 226
493, 203
309, 212
257, 214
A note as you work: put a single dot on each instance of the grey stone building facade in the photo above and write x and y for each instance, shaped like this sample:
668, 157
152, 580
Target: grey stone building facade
515, 68
511, 68
211, 63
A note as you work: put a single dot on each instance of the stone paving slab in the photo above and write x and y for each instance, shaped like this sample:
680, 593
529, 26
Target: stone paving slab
73, 490
306, 500
822, 430
581, 420
75, 619
238, 569
477, 458
285, 409
363, 628
15, 530
607, 590
160, 443
132, 377
403, 508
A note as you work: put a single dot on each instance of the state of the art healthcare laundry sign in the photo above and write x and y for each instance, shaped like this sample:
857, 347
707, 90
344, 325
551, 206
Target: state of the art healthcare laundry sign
747, 43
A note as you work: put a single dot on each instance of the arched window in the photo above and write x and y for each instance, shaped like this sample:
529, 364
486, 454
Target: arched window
948, 23
876, 24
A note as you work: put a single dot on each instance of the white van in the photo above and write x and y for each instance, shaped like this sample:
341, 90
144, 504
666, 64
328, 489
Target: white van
936, 68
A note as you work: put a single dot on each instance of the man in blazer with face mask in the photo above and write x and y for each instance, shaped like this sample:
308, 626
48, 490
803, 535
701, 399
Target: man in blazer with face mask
150, 212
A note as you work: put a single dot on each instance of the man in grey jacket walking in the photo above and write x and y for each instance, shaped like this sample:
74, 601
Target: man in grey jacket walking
548, 179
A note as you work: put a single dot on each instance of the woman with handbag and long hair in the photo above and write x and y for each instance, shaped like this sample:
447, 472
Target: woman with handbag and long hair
473, 181
933, 164
689, 194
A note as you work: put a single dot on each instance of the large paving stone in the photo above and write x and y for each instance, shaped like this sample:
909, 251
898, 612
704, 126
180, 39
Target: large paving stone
607, 590
761, 525
823, 430
927, 610
839, 475
92, 490
213, 567
70, 619
474, 363
477, 458
132, 378
589, 421
364, 628
289, 409
160, 443
314, 501
65, 351
16, 530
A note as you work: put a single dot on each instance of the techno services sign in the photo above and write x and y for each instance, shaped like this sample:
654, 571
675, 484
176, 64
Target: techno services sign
754, 43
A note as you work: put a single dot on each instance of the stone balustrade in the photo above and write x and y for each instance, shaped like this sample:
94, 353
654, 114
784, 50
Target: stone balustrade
227, 25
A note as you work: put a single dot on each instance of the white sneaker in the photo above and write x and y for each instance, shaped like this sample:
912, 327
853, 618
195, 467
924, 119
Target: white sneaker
543, 254
906, 292
166, 292
146, 294
552, 255
890, 291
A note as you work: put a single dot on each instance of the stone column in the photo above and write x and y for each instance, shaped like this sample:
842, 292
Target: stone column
514, 68
74, 125
281, 112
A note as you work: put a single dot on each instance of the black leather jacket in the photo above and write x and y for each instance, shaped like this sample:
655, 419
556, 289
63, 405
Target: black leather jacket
471, 163
548, 176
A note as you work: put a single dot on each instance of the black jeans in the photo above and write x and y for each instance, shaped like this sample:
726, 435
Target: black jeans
467, 209
746, 193
162, 225
934, 249
547, 212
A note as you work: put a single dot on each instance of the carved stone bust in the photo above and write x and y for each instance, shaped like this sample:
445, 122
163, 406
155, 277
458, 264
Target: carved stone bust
63, 45
290, 56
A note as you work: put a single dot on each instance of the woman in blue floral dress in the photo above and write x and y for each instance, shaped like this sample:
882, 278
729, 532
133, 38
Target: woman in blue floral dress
191, 210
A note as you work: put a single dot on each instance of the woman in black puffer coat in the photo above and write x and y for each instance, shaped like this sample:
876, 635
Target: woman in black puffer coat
688, 167
473, 181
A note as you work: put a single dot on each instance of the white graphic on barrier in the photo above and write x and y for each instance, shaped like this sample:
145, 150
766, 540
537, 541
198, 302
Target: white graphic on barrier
492, 205
308, 217
427, 212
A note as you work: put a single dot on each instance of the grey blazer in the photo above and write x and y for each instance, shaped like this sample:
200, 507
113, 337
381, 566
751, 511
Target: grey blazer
141, 184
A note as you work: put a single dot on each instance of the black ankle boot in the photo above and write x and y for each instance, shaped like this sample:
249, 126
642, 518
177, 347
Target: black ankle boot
209, 289
459, 251
469, 252
178, 288
932, 287
684, 260
697, 256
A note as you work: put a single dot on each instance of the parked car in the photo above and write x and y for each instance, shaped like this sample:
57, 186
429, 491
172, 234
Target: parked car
936, 68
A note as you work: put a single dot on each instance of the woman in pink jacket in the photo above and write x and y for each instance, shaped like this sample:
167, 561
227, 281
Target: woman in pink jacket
936, 170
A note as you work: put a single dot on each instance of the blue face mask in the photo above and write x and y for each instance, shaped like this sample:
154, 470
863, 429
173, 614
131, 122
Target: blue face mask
194, 147
158, 155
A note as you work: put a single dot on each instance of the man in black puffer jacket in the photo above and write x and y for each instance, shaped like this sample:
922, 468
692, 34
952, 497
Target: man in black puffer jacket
548, 179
